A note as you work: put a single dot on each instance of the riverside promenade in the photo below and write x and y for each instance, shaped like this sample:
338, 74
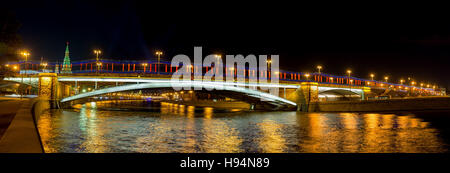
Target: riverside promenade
18, 131
8, 109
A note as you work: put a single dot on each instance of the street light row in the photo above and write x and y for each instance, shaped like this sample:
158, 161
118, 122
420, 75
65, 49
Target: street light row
159, 53
386, 78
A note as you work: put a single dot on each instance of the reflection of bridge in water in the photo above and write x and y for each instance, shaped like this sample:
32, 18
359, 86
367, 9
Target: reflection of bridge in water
294, 90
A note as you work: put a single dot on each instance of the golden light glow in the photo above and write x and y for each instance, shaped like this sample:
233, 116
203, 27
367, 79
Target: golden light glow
372, 75
97, 51
25, 53
158, 53
307, 75
349, 72
319, 67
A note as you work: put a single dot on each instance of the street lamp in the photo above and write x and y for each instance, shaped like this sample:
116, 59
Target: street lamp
268, 64
349, 72
372, 75
158, 53
44, 64
309, 91
401, 81
97, 52
98, 66
232, 71
218, 57
386, 78
145, 66
319, 68
26, 54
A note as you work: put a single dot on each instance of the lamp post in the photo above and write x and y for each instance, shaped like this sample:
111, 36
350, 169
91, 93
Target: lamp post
158, 53
145, 66
309, 91
218, 57
307, 76
99, 64
421, 88
401, 81
319, 67
44, 64
26, 54
371, 76
349, 72
97, 52
386, 79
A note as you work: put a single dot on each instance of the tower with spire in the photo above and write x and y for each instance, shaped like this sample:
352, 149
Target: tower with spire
67, 68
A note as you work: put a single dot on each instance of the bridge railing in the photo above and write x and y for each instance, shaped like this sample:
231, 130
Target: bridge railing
149, 69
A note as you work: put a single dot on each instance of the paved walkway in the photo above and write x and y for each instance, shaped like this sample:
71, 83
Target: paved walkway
8, 109
21, 136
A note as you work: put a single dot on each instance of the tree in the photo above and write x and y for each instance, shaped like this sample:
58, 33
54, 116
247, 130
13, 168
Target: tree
10, 40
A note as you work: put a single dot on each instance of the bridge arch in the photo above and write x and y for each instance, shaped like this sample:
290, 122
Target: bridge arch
255, 94
331, 93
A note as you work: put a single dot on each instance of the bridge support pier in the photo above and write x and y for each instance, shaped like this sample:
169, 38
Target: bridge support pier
365, 94
307, 93
48, 88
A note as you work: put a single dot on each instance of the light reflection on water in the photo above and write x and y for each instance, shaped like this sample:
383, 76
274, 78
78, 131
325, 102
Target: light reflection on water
179, 128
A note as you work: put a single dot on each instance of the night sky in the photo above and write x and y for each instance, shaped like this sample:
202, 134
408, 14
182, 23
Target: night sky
398, 42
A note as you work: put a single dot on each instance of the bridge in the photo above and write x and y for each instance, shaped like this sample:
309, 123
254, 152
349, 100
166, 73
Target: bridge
296, 90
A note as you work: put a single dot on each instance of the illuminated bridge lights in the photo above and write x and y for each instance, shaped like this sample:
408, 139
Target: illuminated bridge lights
148, 68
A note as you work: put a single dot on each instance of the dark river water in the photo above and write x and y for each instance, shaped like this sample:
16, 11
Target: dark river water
145, 127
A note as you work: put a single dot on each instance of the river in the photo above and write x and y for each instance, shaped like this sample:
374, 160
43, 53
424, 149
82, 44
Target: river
145, 127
